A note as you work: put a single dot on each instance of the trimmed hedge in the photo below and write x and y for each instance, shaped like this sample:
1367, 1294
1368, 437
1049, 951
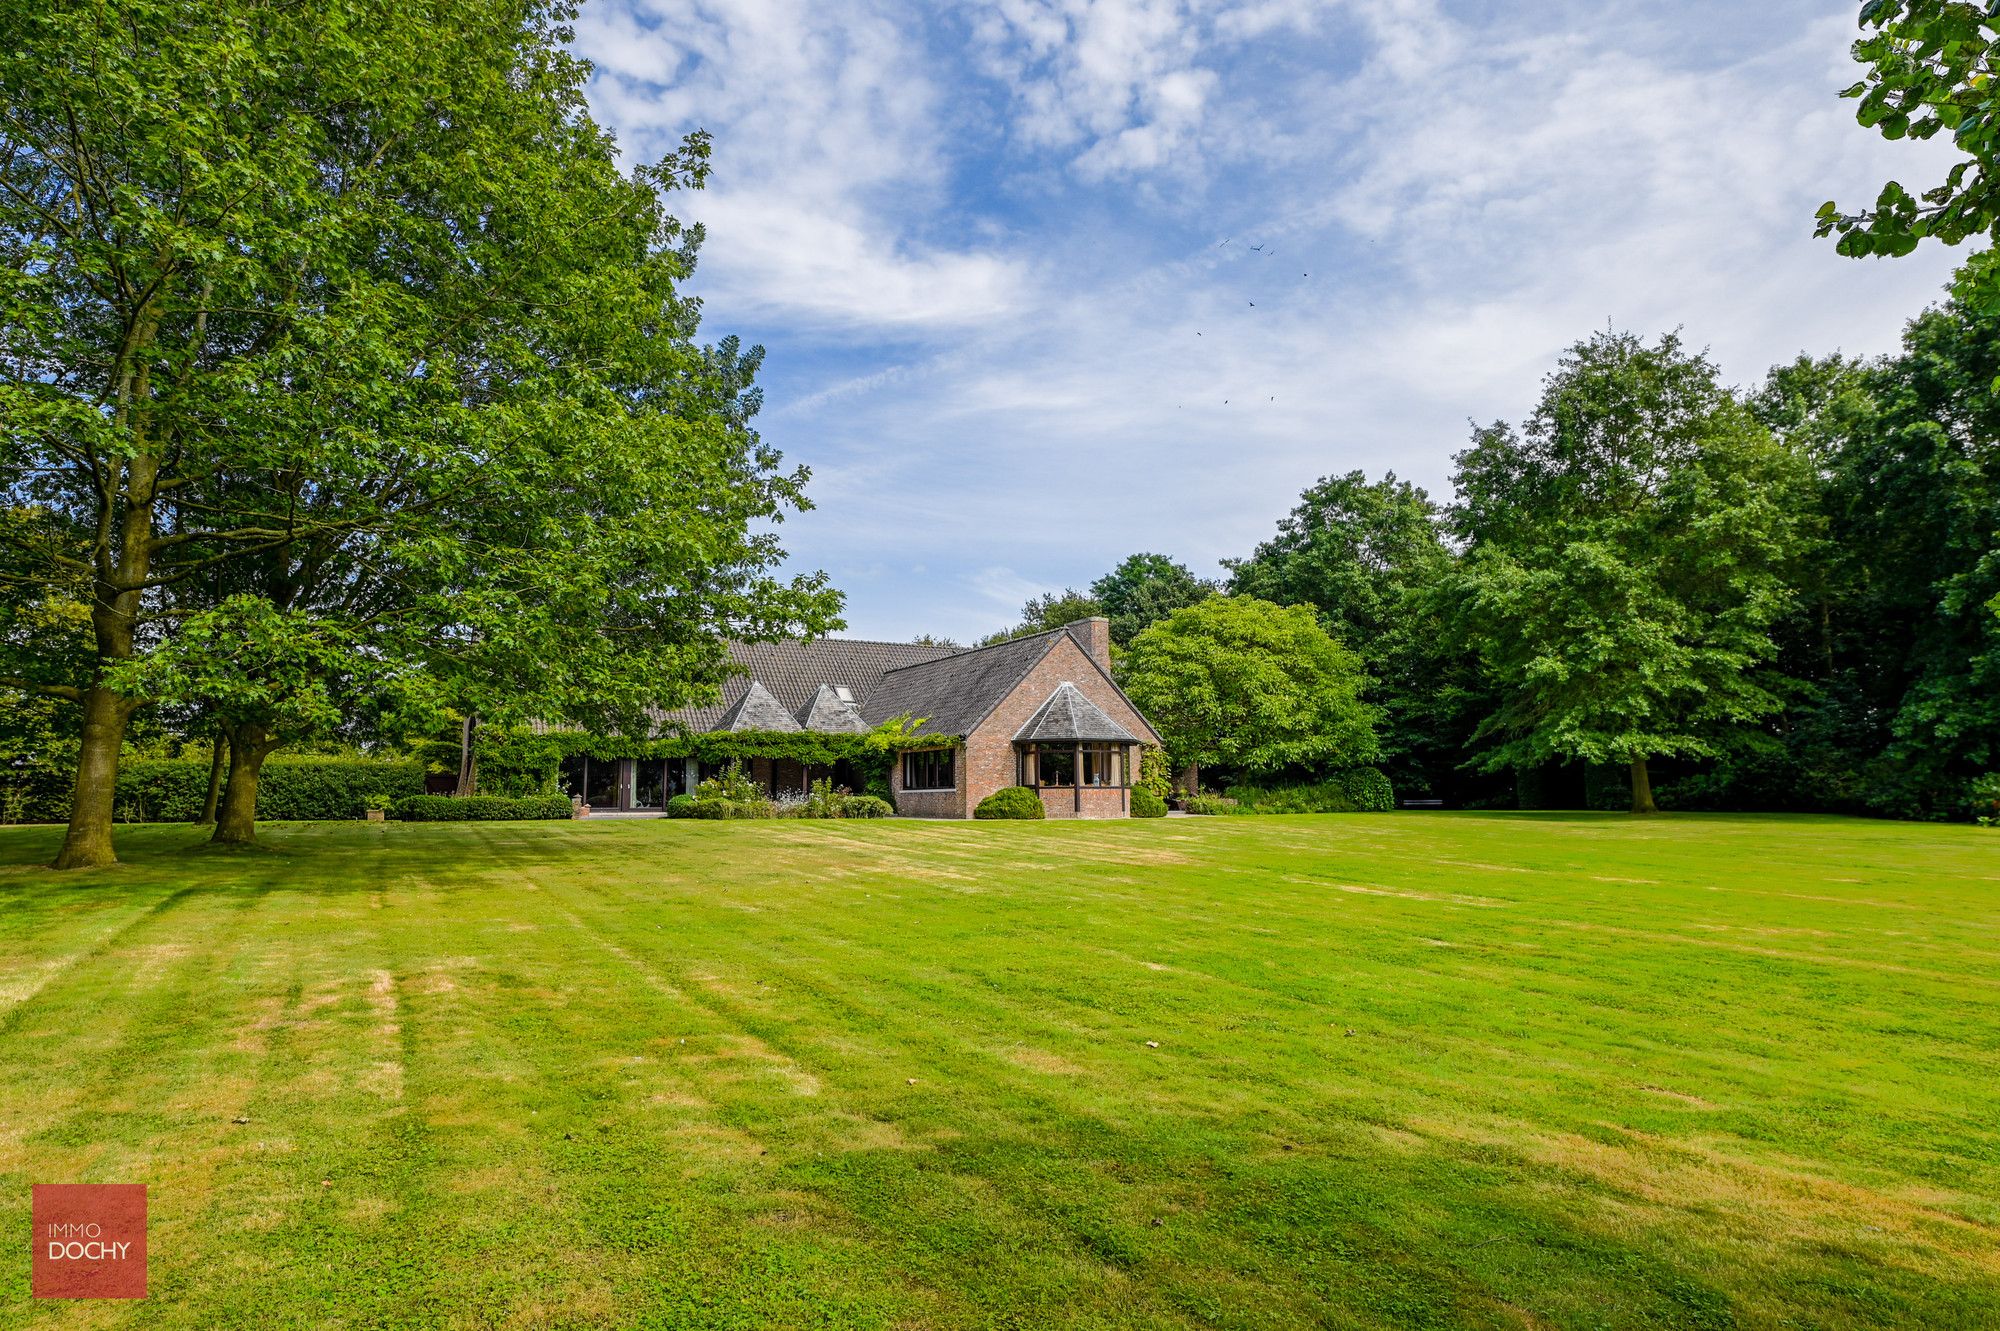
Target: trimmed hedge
479, 808
681, 806
866, 806
1013, 802
1145, 804
302, 788
1362, 790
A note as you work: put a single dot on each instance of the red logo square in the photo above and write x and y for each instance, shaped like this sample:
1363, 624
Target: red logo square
90, 1241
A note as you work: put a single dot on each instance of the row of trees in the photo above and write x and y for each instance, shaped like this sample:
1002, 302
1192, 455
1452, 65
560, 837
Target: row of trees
347, 383
1795, 590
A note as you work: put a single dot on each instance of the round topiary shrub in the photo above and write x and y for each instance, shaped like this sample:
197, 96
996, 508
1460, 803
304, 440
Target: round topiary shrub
1145, 804
1013, 802
866, 806
681, 806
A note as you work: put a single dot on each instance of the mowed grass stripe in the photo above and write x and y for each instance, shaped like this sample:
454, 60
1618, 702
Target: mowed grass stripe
1562, 1104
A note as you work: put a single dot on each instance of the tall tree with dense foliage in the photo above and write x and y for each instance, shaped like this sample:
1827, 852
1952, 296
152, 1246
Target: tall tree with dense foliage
1912, 497
1627, 556
362, 323
1143, 590
1370, 557
1259, 688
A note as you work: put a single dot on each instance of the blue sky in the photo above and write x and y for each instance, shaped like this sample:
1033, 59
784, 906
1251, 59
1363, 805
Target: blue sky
984, 246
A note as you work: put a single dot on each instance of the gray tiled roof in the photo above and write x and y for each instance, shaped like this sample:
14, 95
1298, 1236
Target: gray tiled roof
793, 671
1068, 715
757, 710
954, 694
950, 689
827, 713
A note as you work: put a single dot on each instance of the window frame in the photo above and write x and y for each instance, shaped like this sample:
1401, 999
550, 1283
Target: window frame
1111, 758
916, 759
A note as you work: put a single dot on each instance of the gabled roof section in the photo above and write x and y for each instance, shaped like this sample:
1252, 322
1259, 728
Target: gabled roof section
828, 713
757, 709
1068, 715
793, 671
954, 694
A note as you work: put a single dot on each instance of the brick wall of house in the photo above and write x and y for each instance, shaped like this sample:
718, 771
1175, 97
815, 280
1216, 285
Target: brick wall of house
988, 761
1095, 803
927, 803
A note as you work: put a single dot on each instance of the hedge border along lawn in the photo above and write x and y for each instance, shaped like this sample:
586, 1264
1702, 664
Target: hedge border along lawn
480, 808
1406, 1070
293, 787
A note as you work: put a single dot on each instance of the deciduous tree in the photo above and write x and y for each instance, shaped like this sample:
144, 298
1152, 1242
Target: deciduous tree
1370, 557
1259, 688
1628, 554
1929, 72
1143, 590
348, 309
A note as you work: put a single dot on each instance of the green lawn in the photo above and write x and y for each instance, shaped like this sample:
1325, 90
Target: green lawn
1411, 1070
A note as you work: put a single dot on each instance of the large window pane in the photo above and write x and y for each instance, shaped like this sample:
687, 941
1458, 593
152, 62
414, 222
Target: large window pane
931, 770
600, 784
1055, 764
649, 783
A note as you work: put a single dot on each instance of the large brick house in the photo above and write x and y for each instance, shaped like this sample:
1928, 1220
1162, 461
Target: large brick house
1040, 711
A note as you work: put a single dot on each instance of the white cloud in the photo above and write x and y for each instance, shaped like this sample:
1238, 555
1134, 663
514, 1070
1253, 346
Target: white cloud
1089, 377
827, 141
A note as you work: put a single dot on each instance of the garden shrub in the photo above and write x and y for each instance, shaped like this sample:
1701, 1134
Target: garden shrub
1210, 804
866, 806
1012, 802
1984, 800
479, 808
1145, 804
304, 787
1362, 790
681, 806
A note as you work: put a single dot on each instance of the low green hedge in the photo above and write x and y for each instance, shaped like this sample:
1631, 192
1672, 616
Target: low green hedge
302, 788
866, 806
1145, 804
479, 808
1362, 790
1012, 802
853, 806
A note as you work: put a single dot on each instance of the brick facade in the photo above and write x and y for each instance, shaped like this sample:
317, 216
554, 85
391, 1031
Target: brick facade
986, 696
990, 762
932, 804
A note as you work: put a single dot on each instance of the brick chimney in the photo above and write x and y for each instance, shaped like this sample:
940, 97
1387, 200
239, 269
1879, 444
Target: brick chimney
1095, 635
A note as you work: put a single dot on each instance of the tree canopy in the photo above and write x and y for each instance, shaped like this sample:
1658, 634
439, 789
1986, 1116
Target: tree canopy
1143, 590
1929, 71
363, 323
1258, 688
1370, 557
1627, 556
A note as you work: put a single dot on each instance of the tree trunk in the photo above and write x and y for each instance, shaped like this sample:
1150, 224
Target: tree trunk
87, 844
1190, 779
468, 769
216, 760
236, 820
1642, 788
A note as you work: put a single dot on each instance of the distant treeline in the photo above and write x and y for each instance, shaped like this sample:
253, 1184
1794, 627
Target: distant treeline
1779, 598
